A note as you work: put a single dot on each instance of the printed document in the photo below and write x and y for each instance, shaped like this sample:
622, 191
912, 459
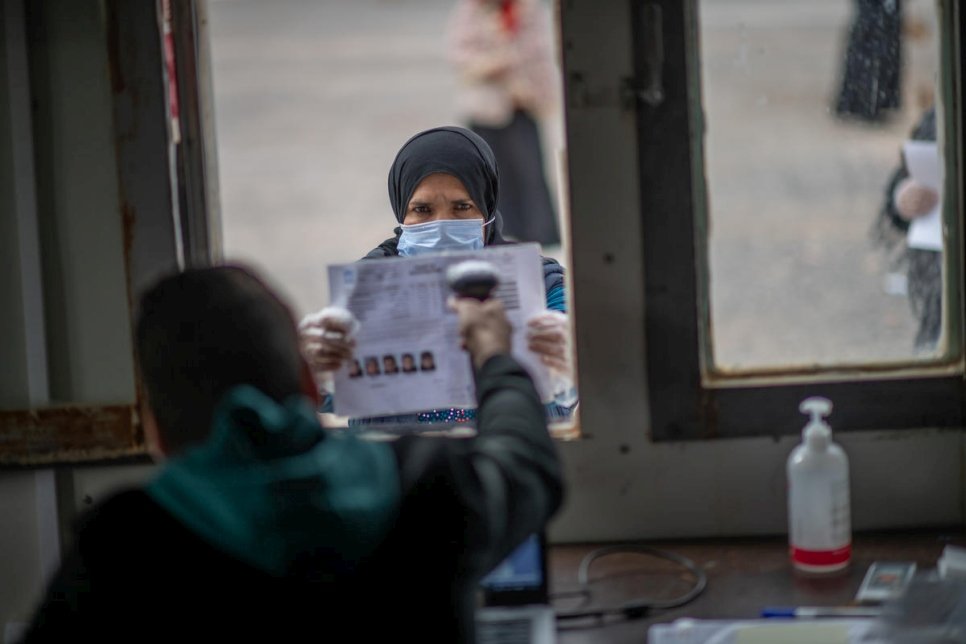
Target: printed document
922, 161
408, 356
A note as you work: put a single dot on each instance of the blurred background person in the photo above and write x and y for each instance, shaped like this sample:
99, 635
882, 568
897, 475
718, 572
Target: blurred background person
871, 77
906, 200
509, 84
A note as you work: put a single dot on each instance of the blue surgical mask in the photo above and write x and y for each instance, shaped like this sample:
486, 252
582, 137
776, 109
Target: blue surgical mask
445, 234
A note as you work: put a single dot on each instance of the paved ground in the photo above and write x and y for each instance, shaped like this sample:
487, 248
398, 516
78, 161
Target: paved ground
313, 98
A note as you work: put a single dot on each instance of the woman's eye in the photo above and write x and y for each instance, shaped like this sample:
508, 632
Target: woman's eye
464, 206
422, 210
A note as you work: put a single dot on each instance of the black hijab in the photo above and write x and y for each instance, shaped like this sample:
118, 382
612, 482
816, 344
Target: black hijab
455, 151
463, 154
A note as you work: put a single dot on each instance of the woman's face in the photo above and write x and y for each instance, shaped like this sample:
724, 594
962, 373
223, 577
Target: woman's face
440, 196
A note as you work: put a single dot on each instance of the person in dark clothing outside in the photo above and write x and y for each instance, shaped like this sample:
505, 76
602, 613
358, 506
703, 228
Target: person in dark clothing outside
872, 74
264, 525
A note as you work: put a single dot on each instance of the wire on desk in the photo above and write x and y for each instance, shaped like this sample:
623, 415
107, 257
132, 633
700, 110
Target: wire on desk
638, 607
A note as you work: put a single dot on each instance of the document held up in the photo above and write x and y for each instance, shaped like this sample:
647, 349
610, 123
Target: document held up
408, 355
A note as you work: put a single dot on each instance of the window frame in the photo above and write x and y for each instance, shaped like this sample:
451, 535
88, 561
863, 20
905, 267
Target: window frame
167, 209
689, 398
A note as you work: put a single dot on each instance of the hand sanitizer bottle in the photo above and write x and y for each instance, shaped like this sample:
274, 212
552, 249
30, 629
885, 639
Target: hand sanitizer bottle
819, 519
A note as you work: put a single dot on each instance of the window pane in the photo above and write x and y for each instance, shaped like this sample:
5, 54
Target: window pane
808, 108
314, 99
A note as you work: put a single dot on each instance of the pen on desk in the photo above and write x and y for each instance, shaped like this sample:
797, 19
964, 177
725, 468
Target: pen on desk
821, 611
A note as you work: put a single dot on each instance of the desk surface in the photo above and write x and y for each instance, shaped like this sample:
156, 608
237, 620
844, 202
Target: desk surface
744, 575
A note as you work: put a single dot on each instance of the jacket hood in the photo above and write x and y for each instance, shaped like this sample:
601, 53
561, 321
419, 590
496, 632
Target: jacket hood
277, 491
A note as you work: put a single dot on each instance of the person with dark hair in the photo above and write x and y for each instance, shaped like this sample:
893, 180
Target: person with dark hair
261, 524
389, 365
171, 342
355, 369
372, 366
443, 188
408, 363
426, 361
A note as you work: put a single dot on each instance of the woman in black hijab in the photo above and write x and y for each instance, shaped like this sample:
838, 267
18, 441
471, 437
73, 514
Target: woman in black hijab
452, 151
443, 188
463, 155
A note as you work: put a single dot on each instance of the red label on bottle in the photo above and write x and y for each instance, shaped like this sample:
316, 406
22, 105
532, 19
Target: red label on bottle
821, 557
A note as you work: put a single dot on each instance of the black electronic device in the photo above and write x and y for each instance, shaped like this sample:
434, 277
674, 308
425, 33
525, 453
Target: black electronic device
473, 278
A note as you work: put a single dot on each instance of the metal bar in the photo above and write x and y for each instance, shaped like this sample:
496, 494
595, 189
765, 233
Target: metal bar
194, 152
25, 200
70, 433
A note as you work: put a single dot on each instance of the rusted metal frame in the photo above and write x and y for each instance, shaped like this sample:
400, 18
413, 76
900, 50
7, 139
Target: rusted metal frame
45, 436
688, 401
90, 433
142, 140
153, 242
54, 435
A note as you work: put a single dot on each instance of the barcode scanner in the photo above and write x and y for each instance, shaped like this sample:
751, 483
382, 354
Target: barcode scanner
473, 278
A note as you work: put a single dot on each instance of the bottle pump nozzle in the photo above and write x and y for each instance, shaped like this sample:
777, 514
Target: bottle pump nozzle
817, 433
817, 406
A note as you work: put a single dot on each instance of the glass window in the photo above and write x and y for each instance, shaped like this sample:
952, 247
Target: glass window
823, 166
313, 101
779, 276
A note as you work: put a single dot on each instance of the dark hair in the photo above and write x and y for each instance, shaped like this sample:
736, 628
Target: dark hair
202, 332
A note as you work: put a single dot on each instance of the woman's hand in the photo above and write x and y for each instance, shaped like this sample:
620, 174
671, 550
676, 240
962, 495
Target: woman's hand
327, 339
548, 336
914, 199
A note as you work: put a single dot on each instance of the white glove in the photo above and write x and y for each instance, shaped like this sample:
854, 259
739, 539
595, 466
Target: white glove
548, 336
328, 339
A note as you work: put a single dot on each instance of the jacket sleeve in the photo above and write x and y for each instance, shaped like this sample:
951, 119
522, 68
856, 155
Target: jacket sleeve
487, 493
68, 608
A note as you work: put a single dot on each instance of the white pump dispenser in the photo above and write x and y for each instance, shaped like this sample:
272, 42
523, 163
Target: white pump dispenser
819, 516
